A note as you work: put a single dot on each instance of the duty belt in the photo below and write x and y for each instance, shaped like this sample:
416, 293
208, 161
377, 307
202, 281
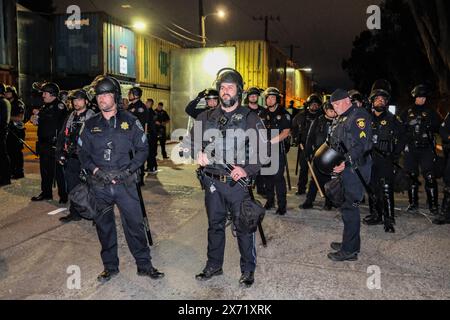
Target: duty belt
221, 178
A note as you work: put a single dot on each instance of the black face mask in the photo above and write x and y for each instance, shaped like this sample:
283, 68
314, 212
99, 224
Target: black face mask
379, 109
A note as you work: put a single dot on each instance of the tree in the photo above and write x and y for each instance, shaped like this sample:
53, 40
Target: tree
394, 53
431, 18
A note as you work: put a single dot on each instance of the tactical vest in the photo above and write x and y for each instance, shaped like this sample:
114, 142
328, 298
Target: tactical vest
419, 128
323, 129
232, 145
383, 133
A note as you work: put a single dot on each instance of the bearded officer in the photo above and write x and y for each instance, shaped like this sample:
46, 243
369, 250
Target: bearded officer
113, 146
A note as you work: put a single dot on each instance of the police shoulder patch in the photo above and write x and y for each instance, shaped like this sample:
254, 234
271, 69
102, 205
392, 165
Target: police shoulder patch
361, 123
288, 116
61, 106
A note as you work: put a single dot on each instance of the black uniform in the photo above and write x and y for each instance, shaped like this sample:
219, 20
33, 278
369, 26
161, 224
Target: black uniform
444, 217
140, 111
221, 195
275, 123
50, 121
421, 123
14, 146
259, 180
388, 143
5, 112
161, 117
353, 129
117, 147
67, 150
300, 128
318, 133
152, 137
192, 110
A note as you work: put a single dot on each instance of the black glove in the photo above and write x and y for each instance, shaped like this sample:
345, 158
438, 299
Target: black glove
123, 176
102, 176
201, 94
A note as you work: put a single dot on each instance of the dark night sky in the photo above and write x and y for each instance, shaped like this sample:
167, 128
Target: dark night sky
322, 29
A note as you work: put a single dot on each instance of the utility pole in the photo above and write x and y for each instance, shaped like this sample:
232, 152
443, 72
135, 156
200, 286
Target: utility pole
266, 20
200, 16
291, 51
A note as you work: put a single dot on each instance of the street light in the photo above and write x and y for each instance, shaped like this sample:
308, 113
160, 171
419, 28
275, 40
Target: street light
219, 13
309, 70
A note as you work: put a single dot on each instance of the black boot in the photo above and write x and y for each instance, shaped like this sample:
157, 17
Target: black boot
413, 195
375, 217
431, 189
389, 208
444, 217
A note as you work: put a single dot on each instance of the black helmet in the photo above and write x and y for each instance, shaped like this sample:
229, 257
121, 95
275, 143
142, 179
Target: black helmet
420, 91
63, 95
272, 91
106, 84
12, 89
51, 88
379, 92
326, 159
355, 95
383, 85
229, 75
252, 91
327, 106
136, 91
211, 94
2, 88
78, 94
314, 98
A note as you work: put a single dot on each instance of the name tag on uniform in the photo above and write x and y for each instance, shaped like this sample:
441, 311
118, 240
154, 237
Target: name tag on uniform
96, 130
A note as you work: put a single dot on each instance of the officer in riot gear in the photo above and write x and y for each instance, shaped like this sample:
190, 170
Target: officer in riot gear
444, 217
152, 137
318, 134
140, 111
251, 100
5, 113
300, 128
421, 124
113, 146
161, 120
388, 143
16, 130
278, 123
66, 146
211, 97
351, 136
49, 119
221, 128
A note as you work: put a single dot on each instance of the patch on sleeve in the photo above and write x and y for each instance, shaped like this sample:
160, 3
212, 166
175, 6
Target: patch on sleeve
288, 116
80, 142
61, 106
144, 138
362, 135
361, 123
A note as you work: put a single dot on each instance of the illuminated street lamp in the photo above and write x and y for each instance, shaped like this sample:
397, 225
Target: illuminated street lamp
139, 26
219, 13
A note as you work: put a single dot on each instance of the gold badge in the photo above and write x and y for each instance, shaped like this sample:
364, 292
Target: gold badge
384, 122
361, 123
125, 126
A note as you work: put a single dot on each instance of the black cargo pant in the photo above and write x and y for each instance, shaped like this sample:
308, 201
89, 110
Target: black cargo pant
419, 157
312, 190
15, 147
127, 200
152, 165
277, 183
49, 168
221, 198
5, 173
354, 193
72, 171
303, 173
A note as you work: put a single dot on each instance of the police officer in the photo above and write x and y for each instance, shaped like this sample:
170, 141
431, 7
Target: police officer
16, 131
140, 111
300, 128
211, 97
222, 194
421, 124
318, 133
113, 146
5, 113
388, 133
161, 120
444, 217
66, 147
49, 119
351, 132
251, 101
357, 98
152, 137
278, 123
